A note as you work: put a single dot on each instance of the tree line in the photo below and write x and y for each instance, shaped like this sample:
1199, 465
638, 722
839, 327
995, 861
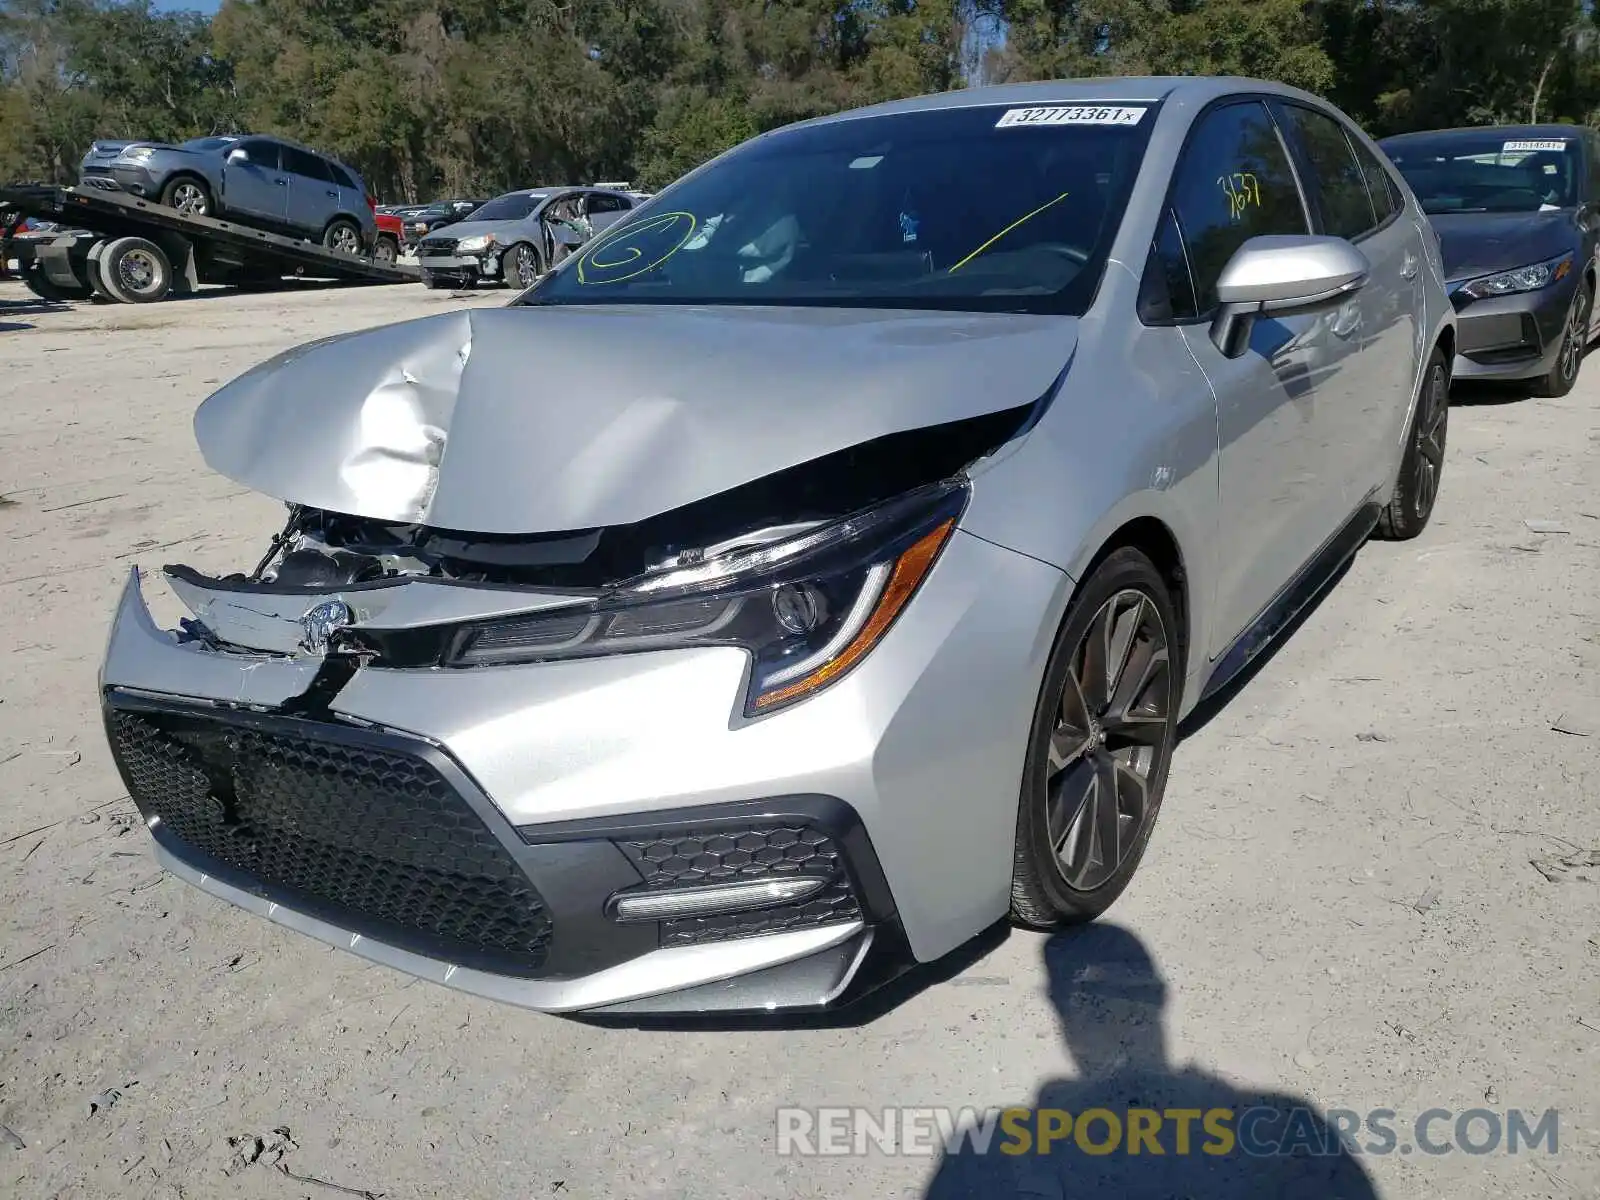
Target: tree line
454, 97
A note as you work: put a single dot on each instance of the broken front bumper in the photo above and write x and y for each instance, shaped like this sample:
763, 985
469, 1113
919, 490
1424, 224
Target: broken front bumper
481, 827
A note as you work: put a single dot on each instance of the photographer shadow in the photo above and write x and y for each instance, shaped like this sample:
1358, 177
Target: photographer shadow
1110, 997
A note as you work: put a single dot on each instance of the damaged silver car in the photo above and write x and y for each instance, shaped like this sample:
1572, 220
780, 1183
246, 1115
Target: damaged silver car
815, 569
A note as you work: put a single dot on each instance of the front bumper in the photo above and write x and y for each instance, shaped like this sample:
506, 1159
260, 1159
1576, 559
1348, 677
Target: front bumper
1511, 337
120, 177
466, 268
576, 781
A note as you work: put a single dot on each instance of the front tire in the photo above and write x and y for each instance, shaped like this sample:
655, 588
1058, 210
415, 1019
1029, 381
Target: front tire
1574, 340
1415, 491
522, 266
1100, 746
189, 196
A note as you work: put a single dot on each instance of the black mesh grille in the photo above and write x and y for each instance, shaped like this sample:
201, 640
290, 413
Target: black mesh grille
436, 248
685, 859
376, 836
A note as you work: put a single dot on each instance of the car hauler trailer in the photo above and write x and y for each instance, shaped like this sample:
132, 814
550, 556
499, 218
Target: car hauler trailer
135, 251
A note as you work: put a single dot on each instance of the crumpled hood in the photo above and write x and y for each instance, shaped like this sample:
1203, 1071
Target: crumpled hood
541, 419
1474, 244
464, 229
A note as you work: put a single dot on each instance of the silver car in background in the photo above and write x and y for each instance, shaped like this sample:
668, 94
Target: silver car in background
519, 236
267, 182
815, 569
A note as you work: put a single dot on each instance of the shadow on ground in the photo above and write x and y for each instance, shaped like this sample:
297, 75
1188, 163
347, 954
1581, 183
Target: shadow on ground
1238, 1144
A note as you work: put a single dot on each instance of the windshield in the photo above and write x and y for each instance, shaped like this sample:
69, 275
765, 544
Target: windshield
985, 208
209, 145
1480, 171
512, 207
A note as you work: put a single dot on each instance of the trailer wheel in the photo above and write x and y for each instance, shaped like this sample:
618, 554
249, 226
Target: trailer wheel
188, 195
40, 284
386, 250
138, 269
103, 282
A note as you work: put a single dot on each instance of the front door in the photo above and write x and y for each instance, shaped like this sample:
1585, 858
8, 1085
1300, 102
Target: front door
256, 185
1277, 499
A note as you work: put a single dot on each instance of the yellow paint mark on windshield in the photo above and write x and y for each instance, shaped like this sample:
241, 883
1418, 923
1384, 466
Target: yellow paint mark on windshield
1020, 220
623, 252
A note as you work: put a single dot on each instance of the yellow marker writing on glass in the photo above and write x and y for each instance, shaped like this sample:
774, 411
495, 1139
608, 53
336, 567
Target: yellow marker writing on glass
1242, 190
621, 251
1006, 230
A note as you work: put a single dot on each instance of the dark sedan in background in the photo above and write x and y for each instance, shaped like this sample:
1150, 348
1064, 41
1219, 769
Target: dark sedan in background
1517, 213
437, 215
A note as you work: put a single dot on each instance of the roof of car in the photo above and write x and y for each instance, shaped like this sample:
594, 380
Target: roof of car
1527, 131
1108, 90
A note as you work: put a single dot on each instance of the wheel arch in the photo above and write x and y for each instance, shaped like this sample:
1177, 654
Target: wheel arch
193, 176
1154, 538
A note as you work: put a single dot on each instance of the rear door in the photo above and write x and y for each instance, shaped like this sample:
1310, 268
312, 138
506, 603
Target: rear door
1365, 404
257, 186
313, 194
1234, 181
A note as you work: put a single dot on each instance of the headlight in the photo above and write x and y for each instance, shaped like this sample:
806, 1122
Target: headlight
475, 245
807, 608
137, 154
1523, 279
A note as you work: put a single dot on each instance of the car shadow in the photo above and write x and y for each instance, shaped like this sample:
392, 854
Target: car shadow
871, 1006
1488, 395
31, 307
1203, 1137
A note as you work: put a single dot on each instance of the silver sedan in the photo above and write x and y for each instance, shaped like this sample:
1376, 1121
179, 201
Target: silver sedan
812, 571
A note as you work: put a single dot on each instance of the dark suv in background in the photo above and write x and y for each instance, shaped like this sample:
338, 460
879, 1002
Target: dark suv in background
268, 182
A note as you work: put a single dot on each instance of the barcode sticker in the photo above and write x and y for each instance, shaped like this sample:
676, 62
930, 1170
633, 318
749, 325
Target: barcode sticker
1073, 114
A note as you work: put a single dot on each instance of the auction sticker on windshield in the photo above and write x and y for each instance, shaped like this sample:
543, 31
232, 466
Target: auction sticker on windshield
1531, 147
1074, 114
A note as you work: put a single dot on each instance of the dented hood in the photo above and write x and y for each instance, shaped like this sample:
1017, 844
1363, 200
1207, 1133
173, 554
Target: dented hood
536, 419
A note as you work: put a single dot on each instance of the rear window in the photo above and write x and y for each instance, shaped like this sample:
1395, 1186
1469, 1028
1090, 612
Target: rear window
989, 208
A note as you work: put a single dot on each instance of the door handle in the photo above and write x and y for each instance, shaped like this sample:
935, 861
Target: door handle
281, 182
331, 192
1408, 268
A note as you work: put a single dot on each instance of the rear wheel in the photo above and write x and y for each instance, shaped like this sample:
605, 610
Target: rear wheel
189, 196
1574, 340
342, 235
1415, 491
386, 251
102, 281
1100, 746
139, 268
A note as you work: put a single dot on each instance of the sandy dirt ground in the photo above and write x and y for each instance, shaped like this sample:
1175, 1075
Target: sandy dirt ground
1368, 888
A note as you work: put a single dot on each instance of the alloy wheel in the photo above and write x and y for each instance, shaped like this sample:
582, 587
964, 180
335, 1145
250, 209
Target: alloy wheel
1111, 737
1432, 426
345, 239
527, 269
190, 198
1576, 336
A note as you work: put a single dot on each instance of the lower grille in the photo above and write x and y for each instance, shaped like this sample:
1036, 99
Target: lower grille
436, 248
754, 852
375, 838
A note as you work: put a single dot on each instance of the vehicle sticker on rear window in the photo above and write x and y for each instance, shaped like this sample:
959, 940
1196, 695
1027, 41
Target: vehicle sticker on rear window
1531, 147
1072, 114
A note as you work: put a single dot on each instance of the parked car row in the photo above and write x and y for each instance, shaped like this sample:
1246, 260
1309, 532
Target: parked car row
517, 237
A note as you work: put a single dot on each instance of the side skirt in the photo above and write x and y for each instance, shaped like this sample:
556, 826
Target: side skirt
1307, 584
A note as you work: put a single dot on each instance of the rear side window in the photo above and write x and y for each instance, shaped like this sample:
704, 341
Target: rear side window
1338, 182
343, 178
600, 203
1234, 182
308, 165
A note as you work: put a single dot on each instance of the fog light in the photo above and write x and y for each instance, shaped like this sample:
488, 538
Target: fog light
799, 607
712, 899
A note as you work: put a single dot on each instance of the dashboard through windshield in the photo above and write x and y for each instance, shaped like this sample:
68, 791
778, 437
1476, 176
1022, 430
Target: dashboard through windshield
1002, 208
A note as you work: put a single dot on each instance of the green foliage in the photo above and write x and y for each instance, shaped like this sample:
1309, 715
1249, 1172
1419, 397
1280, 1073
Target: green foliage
481, 95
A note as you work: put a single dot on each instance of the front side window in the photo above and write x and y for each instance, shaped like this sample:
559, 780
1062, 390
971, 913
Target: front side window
1337, 180
987, 208
261, 153
1234, 182
1472, 170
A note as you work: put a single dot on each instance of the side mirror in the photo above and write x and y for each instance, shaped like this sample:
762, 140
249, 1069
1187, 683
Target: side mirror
1281, 273
238, 156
